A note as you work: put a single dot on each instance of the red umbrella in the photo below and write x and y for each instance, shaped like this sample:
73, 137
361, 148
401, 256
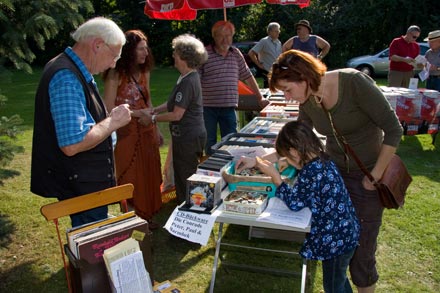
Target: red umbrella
169, 9
187, 9
300, 3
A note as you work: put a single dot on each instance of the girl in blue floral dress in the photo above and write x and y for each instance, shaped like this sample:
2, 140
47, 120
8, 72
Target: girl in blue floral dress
334, 231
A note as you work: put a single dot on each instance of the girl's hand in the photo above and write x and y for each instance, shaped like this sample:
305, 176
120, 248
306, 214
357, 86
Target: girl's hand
282, 164
244, 163
269, 169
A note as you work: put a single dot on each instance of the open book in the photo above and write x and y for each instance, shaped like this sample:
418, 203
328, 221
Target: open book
125, 265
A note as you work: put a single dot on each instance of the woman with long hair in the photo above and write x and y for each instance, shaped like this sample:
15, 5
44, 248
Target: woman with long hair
137, 149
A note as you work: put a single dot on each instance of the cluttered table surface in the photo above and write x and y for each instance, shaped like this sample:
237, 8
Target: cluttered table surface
418, 110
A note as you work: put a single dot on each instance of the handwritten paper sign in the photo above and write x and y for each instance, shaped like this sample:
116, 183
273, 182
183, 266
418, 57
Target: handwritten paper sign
190, 226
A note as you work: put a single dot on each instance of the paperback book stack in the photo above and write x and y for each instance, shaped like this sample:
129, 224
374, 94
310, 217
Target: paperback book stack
125, 266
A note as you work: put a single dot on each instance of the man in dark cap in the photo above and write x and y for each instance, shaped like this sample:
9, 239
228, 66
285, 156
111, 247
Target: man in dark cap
306, 42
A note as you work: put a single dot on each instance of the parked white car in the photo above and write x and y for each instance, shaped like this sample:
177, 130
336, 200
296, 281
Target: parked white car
378, 64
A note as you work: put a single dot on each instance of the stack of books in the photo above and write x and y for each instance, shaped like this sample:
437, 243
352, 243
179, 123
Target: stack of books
88, 242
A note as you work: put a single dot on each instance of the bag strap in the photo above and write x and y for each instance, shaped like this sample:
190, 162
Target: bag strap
139, 89
347, 148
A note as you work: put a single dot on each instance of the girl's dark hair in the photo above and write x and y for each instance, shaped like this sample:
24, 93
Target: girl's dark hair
127, 64
299, 136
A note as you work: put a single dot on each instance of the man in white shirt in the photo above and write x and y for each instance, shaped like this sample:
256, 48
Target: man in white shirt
267, 50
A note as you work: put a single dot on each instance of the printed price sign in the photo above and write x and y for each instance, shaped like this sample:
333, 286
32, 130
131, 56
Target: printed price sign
191, 226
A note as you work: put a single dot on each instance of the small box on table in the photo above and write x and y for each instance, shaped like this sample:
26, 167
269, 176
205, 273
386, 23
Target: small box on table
256, 182
203, 193
245, 202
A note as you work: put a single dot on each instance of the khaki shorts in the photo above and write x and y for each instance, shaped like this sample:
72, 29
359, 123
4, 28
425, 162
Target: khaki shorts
369, 211
399, 78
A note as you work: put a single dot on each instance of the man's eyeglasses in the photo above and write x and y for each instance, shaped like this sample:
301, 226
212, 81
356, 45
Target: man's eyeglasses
116, 57
415, 37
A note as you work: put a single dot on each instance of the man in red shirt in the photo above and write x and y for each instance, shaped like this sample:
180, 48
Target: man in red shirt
403, 51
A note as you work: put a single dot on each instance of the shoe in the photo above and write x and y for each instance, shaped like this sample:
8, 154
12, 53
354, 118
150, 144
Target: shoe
153, 225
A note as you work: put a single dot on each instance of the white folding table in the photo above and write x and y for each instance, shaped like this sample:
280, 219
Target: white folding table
251, 221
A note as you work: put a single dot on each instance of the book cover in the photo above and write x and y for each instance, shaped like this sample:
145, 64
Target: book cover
118, 251
91, 247
84, 230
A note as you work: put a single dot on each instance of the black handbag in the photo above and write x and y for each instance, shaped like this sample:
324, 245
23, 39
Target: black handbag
395, 179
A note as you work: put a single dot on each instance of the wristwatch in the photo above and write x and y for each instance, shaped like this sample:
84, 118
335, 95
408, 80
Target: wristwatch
153, 119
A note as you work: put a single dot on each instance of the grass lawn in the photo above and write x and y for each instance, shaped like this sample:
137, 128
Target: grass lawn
409, 242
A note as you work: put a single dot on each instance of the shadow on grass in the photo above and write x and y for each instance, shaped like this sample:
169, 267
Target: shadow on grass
173, 256
281, 271
12, 280
7, 174
7, 228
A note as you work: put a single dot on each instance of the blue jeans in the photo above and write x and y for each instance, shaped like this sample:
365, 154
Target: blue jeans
223, 116
334, 274
89, 216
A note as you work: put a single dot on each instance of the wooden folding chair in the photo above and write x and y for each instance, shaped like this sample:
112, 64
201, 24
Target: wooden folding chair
56, 210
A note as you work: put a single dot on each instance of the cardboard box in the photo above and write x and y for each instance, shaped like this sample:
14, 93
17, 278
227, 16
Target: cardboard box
214, 167
87, 276
430, 105
245, 202
408, 104
203, 192
259, 182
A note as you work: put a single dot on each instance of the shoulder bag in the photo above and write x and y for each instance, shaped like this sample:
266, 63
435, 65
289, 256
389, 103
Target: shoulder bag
395, 179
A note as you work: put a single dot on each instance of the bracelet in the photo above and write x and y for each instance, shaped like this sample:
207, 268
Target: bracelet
153, 119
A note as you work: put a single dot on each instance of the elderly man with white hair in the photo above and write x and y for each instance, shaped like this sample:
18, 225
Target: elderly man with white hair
72, 149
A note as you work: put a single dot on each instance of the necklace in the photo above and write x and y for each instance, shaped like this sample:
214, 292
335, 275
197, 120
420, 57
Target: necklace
319, 98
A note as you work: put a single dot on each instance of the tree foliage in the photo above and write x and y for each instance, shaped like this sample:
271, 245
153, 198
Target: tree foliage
32, 23
25, 26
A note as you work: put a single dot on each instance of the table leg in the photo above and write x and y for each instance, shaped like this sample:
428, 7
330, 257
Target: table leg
217, 253
303, 275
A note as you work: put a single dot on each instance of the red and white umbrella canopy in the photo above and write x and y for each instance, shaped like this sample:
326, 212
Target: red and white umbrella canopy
300, 3
187, 9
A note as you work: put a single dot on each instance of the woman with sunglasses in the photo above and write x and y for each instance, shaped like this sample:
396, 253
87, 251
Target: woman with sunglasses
362, 115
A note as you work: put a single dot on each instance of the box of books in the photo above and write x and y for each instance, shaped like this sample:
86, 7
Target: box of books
214, 166
245, 202
86, 246
266, 125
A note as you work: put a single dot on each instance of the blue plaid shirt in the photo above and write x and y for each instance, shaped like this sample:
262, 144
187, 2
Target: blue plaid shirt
71, 117
334, 228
